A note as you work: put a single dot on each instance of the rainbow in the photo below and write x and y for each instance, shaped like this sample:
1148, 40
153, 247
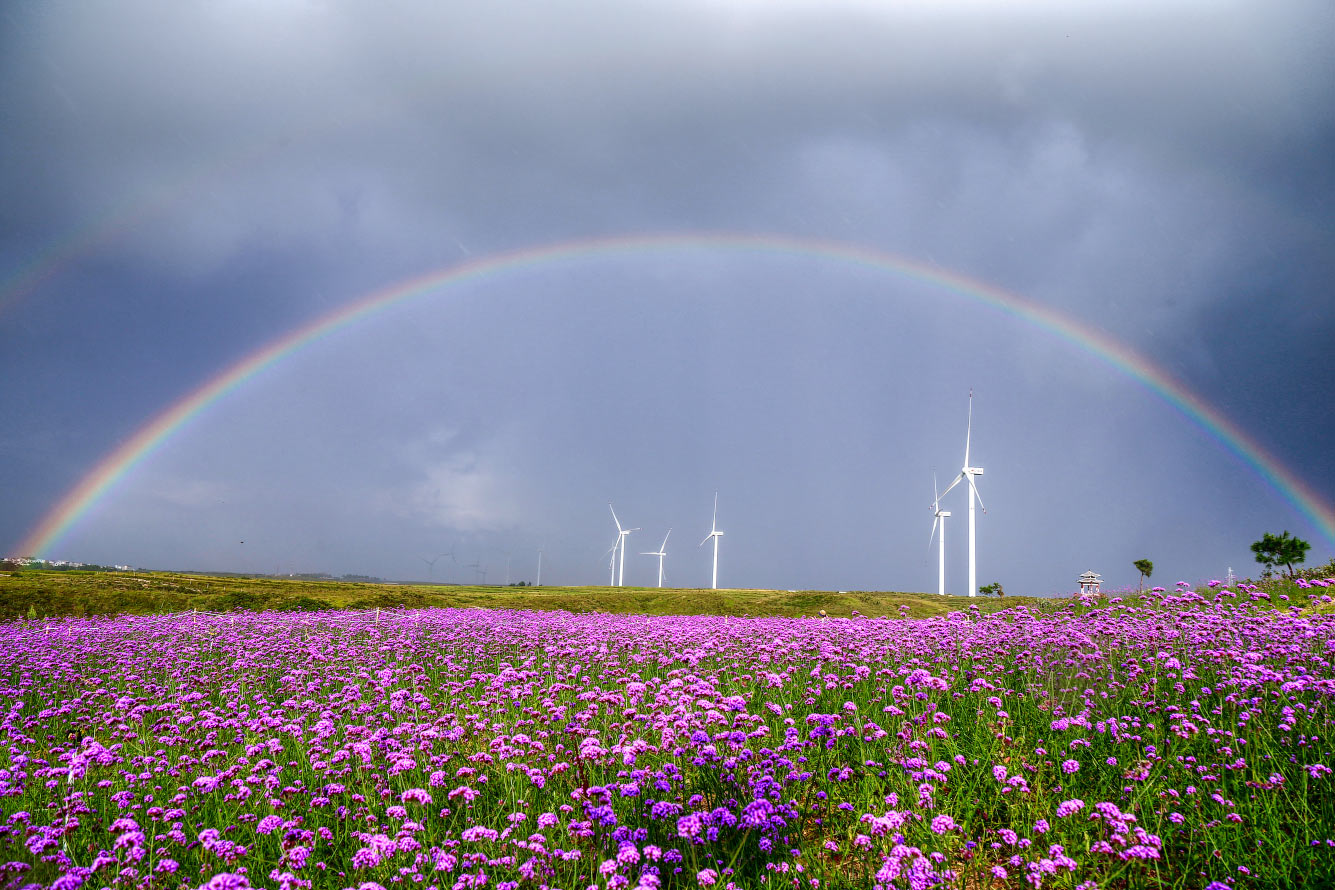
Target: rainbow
151, 437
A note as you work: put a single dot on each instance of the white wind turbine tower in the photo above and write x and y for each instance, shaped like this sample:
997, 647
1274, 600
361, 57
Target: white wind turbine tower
612, 563
967, 474
715, 534
621, 542
660, 553
940, 517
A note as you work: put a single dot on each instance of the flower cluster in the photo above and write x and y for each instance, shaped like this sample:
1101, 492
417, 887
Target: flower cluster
465, 748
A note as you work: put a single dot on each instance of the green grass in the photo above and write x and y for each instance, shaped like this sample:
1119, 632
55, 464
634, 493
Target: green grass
62, 593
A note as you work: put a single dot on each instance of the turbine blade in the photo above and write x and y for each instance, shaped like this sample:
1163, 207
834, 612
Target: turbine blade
663, 546
713, 523
975, 491
936, 495
950, 486
968, 433
618, 521
932, 537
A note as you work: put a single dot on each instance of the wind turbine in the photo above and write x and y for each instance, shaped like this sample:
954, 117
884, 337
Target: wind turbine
660, 553
621, 542
715, 534
939, 517
431, 563
966, 475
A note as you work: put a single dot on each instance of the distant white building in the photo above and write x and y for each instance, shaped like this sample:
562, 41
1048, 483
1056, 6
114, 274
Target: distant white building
1090, 583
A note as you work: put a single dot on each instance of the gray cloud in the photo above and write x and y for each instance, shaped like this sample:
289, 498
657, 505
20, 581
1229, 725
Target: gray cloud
220, 174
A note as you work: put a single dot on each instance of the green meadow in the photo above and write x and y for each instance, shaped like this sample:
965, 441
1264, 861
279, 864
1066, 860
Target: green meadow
62, 593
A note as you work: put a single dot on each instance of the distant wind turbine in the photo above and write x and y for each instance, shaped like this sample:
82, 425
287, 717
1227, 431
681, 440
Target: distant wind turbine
940, 517
967, 474
715, 534
431, 563
660, 553
621, 542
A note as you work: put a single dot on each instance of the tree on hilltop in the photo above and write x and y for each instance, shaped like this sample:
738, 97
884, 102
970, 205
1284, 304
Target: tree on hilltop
1146, 568
1283, 550
994, 587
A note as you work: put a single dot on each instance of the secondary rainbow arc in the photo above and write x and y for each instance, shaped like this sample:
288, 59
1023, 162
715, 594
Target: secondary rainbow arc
104, 476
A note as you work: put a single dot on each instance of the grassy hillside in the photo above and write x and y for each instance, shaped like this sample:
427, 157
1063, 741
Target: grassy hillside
51, 594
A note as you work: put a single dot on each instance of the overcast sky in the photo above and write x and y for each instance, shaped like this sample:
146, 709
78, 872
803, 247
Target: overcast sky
183, 183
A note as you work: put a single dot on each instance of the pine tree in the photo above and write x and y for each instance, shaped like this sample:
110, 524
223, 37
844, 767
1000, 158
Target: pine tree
1146, 568
1283, 550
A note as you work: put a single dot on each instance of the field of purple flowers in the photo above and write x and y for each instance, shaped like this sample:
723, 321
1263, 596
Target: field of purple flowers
1174, 740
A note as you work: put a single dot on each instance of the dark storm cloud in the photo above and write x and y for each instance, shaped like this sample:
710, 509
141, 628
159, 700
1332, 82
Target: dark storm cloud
1159, 171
